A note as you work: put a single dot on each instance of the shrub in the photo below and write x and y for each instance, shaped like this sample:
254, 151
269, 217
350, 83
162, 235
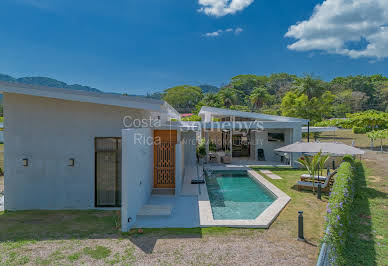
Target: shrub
201, 149
341, 123
192, 118
348, 158
360, 130
338, 210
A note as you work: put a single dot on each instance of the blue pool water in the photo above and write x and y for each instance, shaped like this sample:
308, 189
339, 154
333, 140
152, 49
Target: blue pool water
234, 195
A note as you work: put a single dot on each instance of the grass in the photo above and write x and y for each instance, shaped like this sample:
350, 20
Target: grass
98, 252
76, 237
346, 136
368, 245
313, 209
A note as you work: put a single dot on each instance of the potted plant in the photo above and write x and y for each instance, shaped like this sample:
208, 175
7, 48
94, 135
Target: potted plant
201, 150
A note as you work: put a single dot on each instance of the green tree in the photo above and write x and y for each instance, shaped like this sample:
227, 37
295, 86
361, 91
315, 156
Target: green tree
184, 98
259, 97
378, 134
370, 120
314, 109
228, 96
309, 85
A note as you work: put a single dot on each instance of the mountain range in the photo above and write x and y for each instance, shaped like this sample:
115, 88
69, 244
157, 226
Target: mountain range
50, 82
47, 82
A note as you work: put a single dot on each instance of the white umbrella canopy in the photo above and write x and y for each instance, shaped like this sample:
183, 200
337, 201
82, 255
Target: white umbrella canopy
326, 147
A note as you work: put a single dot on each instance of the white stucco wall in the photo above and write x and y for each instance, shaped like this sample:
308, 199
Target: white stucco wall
48, 132
137, 173
189, 140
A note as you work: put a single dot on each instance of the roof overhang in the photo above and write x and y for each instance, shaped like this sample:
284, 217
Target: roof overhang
256, 116
85, 96
259, 125
318, 129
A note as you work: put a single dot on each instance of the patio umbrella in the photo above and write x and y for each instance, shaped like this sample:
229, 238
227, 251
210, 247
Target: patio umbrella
326, 147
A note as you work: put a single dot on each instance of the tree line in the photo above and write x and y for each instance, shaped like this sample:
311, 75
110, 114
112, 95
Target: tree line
307, 96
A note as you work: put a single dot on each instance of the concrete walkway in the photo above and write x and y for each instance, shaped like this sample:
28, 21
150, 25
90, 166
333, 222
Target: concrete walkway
270, 174
185, 213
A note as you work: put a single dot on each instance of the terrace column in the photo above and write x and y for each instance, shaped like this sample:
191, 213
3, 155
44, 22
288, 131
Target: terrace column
206, 132
231, 136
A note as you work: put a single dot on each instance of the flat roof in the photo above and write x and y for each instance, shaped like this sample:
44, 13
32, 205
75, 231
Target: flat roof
113, 99
256, 116
318, 129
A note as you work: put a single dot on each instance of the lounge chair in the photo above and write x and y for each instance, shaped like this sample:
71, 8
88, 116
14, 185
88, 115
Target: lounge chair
325, 187
307, 177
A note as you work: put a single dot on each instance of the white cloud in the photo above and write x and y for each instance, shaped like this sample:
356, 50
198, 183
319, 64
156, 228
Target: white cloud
336, 23
219, 32
221, 8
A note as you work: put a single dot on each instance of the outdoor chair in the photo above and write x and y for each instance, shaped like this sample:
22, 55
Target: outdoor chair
325, 186
213, 158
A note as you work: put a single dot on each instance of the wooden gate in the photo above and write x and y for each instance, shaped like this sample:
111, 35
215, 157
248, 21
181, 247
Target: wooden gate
164, 158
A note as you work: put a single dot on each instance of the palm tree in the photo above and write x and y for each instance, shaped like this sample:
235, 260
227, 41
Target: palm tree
211, 99
228, 96
309, 85
312, 164
259, 97
322, 162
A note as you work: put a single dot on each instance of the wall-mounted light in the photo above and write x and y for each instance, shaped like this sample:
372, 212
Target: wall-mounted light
71, 162
25, 162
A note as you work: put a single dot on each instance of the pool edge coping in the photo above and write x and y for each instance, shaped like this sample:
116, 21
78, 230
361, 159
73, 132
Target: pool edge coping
264, 220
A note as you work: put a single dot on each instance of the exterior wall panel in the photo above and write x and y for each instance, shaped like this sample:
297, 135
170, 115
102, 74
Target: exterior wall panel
48, 132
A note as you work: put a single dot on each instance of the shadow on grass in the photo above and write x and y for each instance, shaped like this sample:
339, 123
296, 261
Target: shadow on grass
22, 226
360, 246
274, 168
146, 241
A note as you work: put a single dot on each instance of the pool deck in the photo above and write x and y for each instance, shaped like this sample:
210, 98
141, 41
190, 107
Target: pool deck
192, 207
264, 220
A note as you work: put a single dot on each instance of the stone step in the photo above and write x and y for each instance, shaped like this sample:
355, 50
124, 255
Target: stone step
155, 210
163, 191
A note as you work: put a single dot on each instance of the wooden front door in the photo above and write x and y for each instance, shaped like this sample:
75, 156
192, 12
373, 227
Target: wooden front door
164, 158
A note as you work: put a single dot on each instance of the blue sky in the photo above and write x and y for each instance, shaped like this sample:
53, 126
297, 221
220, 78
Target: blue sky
138, 46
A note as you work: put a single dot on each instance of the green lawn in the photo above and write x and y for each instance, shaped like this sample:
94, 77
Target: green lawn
313, 209
368, 242
76, 237
346, 136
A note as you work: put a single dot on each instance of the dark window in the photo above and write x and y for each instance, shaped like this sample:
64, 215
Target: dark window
276, 137
108, 172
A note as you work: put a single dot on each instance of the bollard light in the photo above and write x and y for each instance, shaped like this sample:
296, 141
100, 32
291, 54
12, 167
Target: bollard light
25, 162
319, 191
300, 226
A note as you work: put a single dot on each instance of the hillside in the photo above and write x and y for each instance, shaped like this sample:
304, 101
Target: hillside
47, 82
209, 88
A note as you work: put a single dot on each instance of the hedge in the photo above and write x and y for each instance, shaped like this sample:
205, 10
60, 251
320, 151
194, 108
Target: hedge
338, 211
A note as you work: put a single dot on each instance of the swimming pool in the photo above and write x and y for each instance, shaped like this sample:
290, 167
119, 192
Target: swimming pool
234, 195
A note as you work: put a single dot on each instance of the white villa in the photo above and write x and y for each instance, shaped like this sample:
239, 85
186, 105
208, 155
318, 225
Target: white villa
68, 149
250, 137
